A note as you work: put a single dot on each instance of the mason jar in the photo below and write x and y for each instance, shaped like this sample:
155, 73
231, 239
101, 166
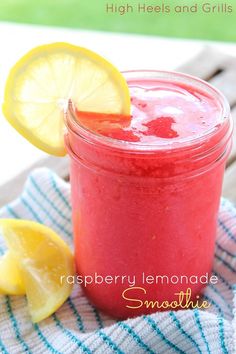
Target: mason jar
147, 211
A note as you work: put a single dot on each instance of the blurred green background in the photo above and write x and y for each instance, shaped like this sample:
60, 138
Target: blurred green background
91, 14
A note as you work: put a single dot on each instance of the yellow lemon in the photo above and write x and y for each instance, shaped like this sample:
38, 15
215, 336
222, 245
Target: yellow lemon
41, 83
45, 263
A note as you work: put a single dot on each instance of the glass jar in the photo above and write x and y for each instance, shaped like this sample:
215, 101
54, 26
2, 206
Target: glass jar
145, 215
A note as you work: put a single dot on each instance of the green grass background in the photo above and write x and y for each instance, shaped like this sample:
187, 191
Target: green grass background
91, 14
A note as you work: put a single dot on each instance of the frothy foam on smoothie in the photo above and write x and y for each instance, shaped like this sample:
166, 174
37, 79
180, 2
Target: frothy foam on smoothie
167, 111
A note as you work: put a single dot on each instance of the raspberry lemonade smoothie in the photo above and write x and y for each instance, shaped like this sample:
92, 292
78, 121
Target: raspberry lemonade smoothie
146, 180
145, 195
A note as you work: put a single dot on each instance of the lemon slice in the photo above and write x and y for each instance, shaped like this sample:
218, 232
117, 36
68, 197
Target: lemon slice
41, 83
45, 263
11, 282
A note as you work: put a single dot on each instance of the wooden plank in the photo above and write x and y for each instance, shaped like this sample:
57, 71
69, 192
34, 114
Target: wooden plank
217, 68
13, 188
229, 186
232, 156
226, 83
207, 64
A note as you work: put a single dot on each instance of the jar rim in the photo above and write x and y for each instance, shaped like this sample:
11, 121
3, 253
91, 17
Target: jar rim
189, 142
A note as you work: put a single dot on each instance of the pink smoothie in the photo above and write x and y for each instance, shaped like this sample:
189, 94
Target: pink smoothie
145, 194
166, 111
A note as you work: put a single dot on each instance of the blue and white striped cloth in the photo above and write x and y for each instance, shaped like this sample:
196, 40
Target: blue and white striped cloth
77, 327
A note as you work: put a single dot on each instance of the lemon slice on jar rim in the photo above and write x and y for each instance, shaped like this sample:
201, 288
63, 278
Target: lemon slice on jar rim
41, 83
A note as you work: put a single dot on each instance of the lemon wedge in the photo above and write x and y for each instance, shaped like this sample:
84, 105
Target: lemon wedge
41, 83
45, 263
11, 282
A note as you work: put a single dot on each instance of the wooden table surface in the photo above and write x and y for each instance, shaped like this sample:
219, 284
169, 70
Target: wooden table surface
217, 68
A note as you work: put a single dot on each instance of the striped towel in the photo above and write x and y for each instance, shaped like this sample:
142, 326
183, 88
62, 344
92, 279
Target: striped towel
78, 327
